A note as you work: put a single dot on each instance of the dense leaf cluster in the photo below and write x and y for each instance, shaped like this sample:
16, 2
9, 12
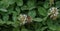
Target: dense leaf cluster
37, 9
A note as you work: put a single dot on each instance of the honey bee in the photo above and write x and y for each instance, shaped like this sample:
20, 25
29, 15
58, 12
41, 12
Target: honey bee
53, 13
23, 18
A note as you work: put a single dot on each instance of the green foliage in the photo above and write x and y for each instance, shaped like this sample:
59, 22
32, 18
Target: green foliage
32, 13
38, 19
3, 10
19, 2
36, 9
46, 5
31, 4
42, 11
57, 4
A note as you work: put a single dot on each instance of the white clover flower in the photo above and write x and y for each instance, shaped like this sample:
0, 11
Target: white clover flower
53, 12
22, 18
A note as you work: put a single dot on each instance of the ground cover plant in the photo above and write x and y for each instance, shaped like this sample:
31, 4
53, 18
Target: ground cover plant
29, 15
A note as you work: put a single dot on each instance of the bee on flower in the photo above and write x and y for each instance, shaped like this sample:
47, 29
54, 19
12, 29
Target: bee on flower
23, 18
53, 13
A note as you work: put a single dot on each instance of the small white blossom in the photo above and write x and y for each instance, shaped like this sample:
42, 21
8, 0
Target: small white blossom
22, 18
53, 12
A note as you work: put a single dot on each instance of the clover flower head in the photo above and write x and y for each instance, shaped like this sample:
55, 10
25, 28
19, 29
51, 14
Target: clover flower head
53, 12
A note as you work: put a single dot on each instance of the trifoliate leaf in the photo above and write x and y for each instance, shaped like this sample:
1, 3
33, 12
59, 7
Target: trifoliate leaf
18, 10
46, 5
43, 28
19, 2
32, 13
4, 4
9, 22
10, 9
8, 1
3, 10
37, 19
31, 4
14, 16
24, 7
11, 1
42, 11
5, 17
51, 25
